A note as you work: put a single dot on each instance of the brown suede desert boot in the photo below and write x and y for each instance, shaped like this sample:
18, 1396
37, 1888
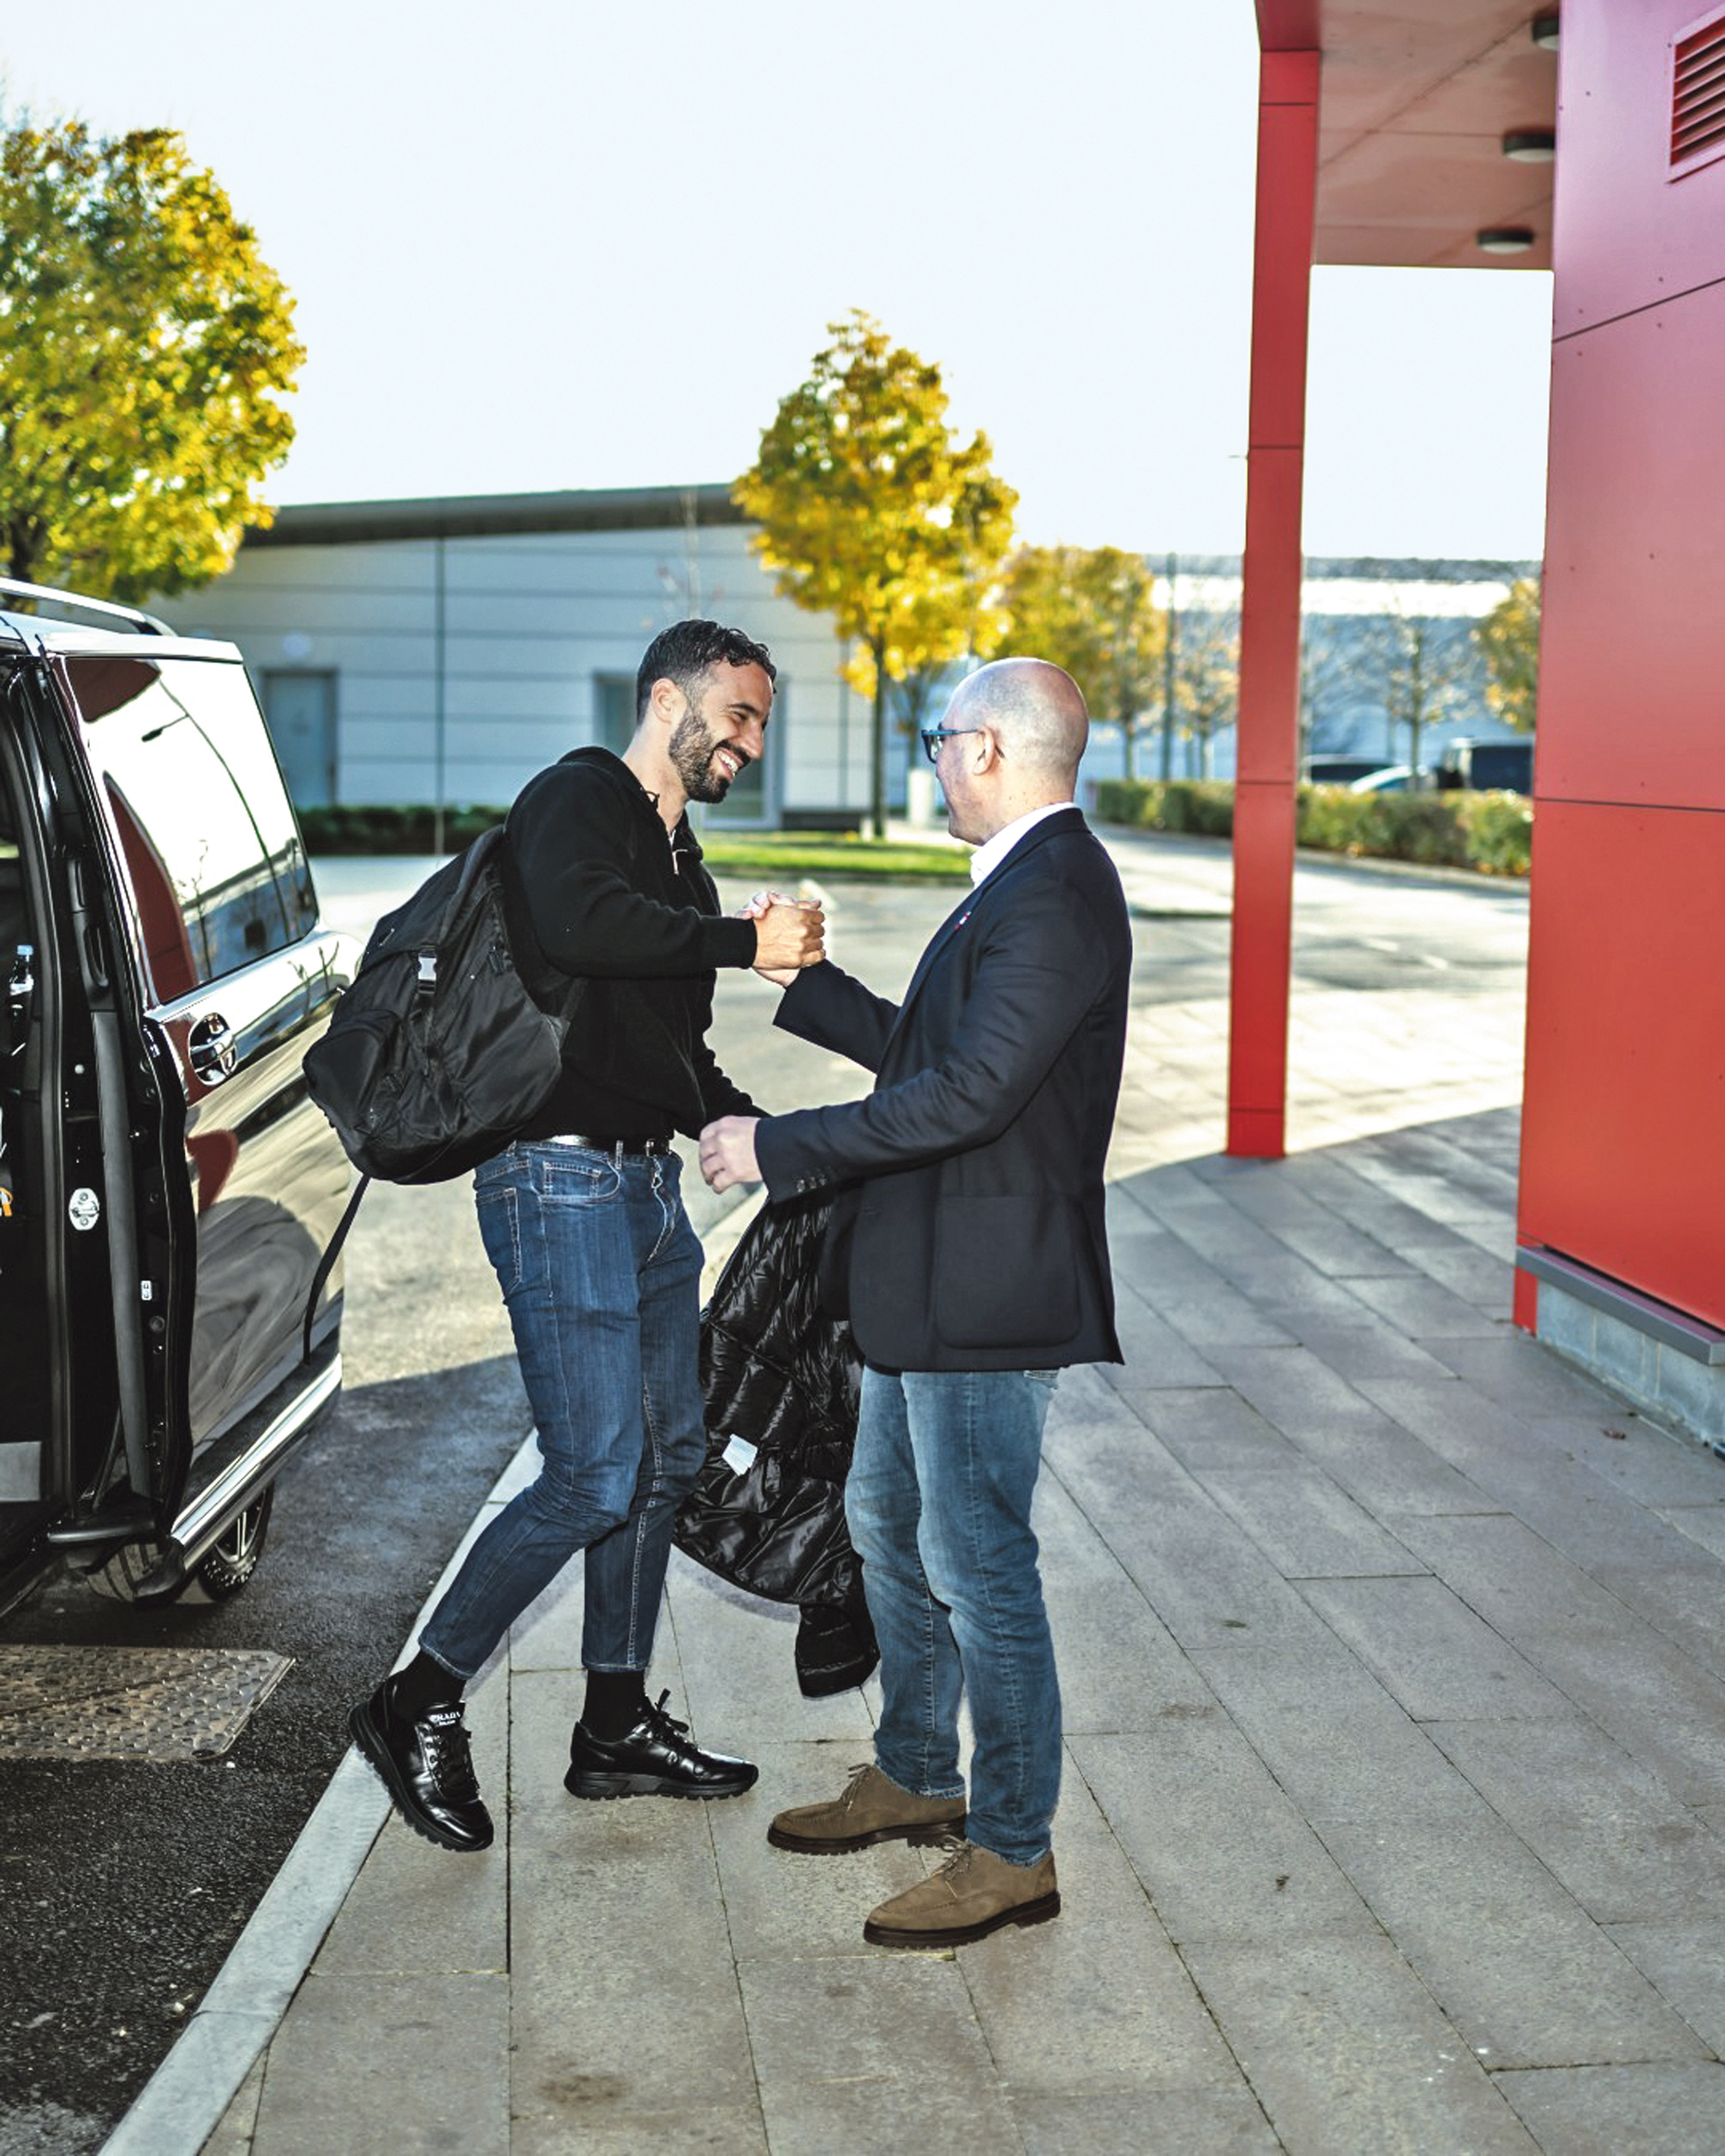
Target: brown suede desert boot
974, 1893
871, 1809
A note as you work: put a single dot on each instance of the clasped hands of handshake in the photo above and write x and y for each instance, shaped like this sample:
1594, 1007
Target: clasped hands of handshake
790, 933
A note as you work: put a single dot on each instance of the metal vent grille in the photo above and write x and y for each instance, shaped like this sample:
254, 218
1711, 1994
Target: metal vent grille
1697, 95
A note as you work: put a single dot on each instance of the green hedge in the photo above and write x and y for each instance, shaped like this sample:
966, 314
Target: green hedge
1490, 833
774, 856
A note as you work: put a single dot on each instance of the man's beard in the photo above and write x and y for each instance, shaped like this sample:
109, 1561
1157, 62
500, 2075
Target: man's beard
692, 750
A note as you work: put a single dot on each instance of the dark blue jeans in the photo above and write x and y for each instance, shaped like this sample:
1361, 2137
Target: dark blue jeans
938, 1501
600, 1270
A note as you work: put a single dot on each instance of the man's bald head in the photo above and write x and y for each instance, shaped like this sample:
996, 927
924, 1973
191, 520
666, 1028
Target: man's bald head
1035, 711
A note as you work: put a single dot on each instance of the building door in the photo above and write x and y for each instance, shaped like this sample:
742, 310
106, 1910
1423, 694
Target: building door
300, 707
614, 699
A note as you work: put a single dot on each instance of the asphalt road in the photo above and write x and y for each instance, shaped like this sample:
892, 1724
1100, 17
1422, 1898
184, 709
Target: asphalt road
123, 1886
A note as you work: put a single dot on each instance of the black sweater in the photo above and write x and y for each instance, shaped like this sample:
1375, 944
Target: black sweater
604, 893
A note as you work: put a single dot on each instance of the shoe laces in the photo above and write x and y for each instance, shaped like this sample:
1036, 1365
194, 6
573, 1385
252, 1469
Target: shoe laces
955, 1859
853, 1789
448, 1757
657, 1714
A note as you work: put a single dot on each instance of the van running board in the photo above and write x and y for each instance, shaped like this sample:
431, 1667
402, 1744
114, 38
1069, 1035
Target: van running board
239, 1482
130, 1521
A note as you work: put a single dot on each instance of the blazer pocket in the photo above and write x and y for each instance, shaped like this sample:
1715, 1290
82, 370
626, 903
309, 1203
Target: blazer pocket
1006, 1270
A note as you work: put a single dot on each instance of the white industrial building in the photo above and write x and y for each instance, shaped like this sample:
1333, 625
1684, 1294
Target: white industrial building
441, 652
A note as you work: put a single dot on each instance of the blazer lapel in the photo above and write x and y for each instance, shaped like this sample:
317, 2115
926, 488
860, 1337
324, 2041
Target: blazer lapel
939, 944
945, 937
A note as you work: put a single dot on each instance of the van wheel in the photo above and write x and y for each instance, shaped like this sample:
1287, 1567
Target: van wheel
226, 1567
218, 1575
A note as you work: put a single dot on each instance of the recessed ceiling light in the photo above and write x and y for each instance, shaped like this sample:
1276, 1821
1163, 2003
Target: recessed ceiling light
1531, 146
1505, 239
1544, 31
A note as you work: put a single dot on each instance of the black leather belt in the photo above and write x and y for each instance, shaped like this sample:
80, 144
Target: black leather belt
592, 1142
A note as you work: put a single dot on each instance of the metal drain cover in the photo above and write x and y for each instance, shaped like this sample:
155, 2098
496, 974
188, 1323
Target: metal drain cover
165, 1704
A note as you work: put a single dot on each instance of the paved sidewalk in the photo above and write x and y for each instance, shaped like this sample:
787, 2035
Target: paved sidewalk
1394, 1661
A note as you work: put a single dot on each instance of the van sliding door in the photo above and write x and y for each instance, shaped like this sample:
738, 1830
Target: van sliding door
85, 1153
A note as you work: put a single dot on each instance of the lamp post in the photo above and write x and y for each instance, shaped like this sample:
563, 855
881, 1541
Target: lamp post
1169, 649
439, 544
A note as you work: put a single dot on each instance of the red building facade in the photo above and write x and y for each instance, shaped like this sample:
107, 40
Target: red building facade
1382, 139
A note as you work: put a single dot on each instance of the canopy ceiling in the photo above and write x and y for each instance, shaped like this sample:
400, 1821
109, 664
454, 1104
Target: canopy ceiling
1417, 96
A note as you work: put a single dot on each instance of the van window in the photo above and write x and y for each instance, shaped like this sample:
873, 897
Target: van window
210, 841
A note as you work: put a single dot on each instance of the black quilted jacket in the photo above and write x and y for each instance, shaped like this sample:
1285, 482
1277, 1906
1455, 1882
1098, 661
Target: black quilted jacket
768, 1513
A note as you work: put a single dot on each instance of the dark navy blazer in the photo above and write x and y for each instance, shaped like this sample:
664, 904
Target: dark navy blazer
972, 1235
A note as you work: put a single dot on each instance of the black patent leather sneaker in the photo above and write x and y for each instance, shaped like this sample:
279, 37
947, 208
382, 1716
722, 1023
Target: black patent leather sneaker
657, 1757
426, 1767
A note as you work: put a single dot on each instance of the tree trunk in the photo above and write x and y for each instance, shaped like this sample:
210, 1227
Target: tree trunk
23, 543
877, 745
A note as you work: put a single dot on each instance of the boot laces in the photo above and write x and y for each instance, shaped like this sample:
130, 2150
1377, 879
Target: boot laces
956, 1858
448, 1756
657, 1713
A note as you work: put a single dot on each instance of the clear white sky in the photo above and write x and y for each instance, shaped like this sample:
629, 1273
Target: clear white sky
550, 244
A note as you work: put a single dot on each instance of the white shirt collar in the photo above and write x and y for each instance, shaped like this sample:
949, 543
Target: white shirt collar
986, 859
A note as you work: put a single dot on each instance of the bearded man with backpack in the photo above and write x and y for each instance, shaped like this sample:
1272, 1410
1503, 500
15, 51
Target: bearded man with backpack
581, 1217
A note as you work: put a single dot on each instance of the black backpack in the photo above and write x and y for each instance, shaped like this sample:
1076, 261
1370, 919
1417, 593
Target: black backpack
437, 1052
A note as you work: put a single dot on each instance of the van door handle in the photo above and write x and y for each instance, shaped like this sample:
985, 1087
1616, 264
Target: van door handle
210, 1047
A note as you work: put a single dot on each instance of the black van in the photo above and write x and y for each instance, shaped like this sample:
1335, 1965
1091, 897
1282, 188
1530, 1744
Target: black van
166, 1185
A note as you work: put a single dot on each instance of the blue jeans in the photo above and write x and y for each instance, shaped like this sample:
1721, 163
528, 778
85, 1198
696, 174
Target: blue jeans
601, 1272
938, 1501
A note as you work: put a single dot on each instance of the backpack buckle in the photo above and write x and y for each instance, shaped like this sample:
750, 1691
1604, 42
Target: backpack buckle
427, 969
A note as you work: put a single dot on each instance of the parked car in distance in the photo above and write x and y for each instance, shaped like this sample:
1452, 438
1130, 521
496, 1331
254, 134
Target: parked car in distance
1392, 778
1485, 766
1337, 770
167, 1187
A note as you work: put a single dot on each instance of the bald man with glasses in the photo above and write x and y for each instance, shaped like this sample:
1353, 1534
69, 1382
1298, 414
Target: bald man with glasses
968, 1250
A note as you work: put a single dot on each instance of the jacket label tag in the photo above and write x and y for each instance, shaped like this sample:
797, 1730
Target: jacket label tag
738, 1455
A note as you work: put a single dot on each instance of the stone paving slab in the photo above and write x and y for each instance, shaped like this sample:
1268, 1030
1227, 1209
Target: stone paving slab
1604, 1825
1306, 1526
442, 2044
1603, 2110
1220, 1849
1525, 1976
1347, 2052
1141, 2123
1430, 1651
1362, 1759
1701, 1523
1685, 1960
883, 2052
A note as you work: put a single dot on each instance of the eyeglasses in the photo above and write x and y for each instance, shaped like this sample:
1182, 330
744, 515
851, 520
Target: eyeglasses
932, 736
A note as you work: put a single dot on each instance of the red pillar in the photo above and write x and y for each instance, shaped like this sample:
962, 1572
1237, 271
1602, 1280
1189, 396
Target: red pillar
1269, 726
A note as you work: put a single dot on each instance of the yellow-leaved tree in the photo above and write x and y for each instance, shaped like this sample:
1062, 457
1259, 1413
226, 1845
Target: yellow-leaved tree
1509, 637
871, 509
1091, 610
144, 351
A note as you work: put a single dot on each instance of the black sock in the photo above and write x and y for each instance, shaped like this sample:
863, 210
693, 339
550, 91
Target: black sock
613, 1703
423, 1684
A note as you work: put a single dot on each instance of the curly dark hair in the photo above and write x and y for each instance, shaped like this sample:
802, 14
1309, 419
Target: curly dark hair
689, 651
